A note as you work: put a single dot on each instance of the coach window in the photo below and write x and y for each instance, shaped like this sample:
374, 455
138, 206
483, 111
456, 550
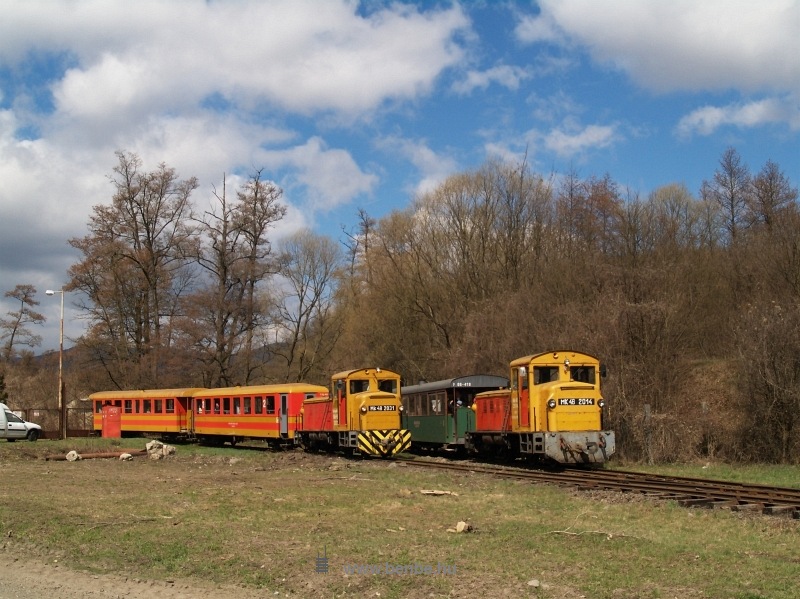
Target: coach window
247, 403
237, 405
158, 406
128, 406
170, 406
147, 406
270, 404
217, 409
437, 403
259, 401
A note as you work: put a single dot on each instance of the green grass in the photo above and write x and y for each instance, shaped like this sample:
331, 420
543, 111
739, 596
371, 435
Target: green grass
263, 518
760, 474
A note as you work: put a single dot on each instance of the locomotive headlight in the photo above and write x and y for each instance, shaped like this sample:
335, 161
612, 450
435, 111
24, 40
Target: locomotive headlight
363, 409
551, 403
401, 408
602, 403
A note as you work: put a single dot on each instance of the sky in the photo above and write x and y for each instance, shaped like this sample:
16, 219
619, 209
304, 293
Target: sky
353, 105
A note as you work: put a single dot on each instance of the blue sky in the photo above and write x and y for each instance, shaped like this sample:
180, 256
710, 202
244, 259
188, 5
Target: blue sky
352, 105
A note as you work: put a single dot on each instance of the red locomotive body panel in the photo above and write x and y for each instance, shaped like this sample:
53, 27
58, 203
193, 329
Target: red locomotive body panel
318, 416
493, 410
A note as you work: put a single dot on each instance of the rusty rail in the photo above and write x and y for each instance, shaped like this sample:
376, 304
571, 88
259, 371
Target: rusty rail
688, 492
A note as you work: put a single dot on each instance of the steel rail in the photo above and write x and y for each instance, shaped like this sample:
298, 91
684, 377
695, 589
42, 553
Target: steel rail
688, 492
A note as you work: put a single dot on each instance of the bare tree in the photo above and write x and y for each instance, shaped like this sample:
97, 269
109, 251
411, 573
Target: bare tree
258, 210
772, 195
235, 257
731, 190
132, 260
306, 325
14, 329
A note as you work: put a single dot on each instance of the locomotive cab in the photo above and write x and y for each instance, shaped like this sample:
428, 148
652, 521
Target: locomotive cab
361, 415
554, 409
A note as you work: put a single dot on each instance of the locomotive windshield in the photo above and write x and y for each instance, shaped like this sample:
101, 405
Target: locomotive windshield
388, 385
584, 374
359, 386
544, 374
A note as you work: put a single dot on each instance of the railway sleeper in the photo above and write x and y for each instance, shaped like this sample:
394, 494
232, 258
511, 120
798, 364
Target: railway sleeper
786, 510
745, 507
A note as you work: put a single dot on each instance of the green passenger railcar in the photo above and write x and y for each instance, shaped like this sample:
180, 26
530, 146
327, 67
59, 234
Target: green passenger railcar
439, 413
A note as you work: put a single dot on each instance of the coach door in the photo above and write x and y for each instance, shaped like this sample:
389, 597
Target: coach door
112, 422
284, 415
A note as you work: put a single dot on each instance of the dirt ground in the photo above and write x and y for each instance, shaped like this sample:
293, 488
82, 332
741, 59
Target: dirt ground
27, 578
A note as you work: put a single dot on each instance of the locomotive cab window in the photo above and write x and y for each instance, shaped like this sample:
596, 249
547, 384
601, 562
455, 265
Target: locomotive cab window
388, 385
357, 386
544, 374
583, 374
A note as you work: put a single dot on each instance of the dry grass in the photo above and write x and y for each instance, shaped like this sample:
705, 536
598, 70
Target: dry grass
263, 519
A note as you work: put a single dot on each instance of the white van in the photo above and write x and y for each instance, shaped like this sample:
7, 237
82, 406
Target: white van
12, 427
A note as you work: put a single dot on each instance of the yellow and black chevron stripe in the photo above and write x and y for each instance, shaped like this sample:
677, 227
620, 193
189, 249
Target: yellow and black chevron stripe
384, 443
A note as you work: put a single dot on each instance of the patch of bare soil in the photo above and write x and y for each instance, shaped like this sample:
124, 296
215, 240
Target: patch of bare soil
31, 578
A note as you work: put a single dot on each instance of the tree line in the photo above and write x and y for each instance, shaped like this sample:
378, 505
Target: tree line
692, 301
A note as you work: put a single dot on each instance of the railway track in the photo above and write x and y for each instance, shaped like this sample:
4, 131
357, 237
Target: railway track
688, 492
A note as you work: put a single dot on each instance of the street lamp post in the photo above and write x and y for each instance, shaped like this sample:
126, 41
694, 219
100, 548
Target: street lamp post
62, 420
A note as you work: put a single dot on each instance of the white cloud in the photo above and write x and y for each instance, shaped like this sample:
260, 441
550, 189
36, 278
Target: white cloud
539, 28
505, 75
331, 175
301, 55
570, 142
706, 120
684, 44
433, 167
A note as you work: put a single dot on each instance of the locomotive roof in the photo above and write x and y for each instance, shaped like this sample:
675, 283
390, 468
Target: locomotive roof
560, 355
460, 382
346, 373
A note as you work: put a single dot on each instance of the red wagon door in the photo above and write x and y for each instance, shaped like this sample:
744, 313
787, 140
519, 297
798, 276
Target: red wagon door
112, 422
